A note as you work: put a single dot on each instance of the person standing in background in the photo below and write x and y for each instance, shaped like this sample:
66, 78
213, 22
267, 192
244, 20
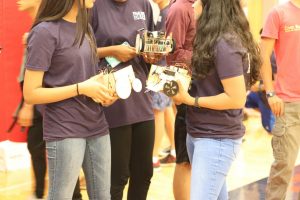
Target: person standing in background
180, 24
162, 104
281, 32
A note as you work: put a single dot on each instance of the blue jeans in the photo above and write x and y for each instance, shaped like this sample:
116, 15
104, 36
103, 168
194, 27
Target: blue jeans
210, 160
65, 159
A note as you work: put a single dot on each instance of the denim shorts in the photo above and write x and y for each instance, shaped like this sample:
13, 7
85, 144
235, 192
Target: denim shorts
160, 101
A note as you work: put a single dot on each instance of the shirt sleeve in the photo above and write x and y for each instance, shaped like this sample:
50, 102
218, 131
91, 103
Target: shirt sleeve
150, 16
228, 61
177, 24
94, 18
272, 25
40, 49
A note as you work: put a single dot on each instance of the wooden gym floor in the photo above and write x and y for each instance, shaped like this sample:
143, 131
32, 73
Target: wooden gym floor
246, 180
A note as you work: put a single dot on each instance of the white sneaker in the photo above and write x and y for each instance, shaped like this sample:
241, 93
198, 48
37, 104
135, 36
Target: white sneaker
164, 152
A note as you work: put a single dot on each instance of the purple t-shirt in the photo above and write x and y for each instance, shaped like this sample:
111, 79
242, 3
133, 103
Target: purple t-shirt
50, 49
230, 61
161, 26
115, 23
161, 21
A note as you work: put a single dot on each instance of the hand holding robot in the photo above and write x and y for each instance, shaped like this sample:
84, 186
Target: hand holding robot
165, 78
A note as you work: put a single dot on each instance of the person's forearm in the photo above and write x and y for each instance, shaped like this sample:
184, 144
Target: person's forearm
218, 102
27, 105
50, 95
266, 72
106, 51
267, 46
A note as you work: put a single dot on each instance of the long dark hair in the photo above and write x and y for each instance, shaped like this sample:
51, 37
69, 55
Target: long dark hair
220, 18
53, 10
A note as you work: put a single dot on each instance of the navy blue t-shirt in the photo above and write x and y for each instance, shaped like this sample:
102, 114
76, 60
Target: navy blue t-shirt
230, 61
115, 23
50, 49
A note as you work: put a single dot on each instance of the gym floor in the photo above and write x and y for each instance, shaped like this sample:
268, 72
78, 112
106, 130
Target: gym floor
247, 178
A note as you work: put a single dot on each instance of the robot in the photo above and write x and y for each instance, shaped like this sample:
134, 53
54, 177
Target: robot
153, 45
164, 79
121, 81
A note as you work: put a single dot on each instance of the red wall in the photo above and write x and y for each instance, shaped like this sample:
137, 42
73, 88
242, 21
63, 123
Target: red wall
12, 26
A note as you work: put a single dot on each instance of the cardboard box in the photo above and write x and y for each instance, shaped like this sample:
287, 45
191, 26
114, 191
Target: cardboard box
14, 156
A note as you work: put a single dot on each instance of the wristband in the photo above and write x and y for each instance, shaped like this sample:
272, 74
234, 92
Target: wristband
270, 94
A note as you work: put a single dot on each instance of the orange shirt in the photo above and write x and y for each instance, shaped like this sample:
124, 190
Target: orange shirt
283, 24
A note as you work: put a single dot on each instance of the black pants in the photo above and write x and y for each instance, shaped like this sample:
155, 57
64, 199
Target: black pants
36, 147
131, 148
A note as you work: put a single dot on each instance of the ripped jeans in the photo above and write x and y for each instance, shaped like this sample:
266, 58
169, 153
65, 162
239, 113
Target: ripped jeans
285, 145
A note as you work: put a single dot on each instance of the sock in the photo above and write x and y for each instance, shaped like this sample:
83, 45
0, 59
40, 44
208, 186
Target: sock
173, 152
155, 159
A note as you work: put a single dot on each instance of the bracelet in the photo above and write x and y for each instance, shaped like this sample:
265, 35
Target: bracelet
77, 90
196, 104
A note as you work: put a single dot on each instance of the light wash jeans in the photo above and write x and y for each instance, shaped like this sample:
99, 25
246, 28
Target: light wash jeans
65, 159
210, 160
